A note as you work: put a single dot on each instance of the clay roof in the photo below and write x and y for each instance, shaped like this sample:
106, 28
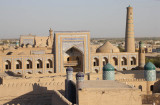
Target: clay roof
105, 84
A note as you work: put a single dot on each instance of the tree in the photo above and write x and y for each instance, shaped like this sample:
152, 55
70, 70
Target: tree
155, 61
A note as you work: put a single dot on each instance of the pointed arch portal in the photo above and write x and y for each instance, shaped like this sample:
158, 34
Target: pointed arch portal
73, 57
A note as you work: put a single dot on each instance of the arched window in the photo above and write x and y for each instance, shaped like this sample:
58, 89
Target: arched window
105, 61
49, 71
1, 81
140, 87
124, 69
39, 64
96, 71
96, 62
39, 72
18, 73
29, 72
9, 53
115, 61
151, 88
7, 64
124, 61
49, 63
68, 59
29, 64
18, 64
133, 61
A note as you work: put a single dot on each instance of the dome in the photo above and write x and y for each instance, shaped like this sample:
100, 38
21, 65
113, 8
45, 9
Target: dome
107, 47
80, 74
149, 66
69, 69
29, 46
108, 67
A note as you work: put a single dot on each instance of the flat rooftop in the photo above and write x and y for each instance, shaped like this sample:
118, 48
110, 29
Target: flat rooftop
110, 84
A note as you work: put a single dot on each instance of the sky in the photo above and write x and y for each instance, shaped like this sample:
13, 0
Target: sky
103, 18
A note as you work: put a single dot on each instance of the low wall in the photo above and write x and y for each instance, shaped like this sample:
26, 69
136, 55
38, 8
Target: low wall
99, 96
59, 99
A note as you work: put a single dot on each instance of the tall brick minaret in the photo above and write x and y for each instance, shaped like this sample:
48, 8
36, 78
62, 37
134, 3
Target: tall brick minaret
129, 37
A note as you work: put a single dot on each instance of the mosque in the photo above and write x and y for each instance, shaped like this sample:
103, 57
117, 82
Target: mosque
65, 69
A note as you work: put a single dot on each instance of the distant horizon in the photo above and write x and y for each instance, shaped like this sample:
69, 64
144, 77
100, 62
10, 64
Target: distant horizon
102, 18
90, 37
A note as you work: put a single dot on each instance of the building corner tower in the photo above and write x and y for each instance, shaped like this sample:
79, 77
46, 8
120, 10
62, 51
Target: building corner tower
50, 42
141, 56
129, 35
51, 34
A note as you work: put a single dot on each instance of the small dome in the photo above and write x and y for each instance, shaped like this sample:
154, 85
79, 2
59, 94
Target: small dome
80, 74
69, 69
149, 66
107, 47
108, 67
29, 46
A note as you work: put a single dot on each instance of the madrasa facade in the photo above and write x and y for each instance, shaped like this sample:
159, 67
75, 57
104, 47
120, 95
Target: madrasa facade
62, 49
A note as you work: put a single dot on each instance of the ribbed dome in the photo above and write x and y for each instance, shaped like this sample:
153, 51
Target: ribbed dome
149, 66
107, 47
108, 67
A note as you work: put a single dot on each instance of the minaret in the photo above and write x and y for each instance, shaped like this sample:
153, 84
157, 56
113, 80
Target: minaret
150, 77
108, 72
141, 56
68, 89
51, 34
50, 43
79, 80
129, 37
79, 84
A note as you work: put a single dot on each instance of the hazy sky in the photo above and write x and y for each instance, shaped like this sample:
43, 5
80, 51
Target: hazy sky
103, 18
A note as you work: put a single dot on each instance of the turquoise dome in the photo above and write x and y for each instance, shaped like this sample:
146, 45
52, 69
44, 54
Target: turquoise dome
149, 66
108, 67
